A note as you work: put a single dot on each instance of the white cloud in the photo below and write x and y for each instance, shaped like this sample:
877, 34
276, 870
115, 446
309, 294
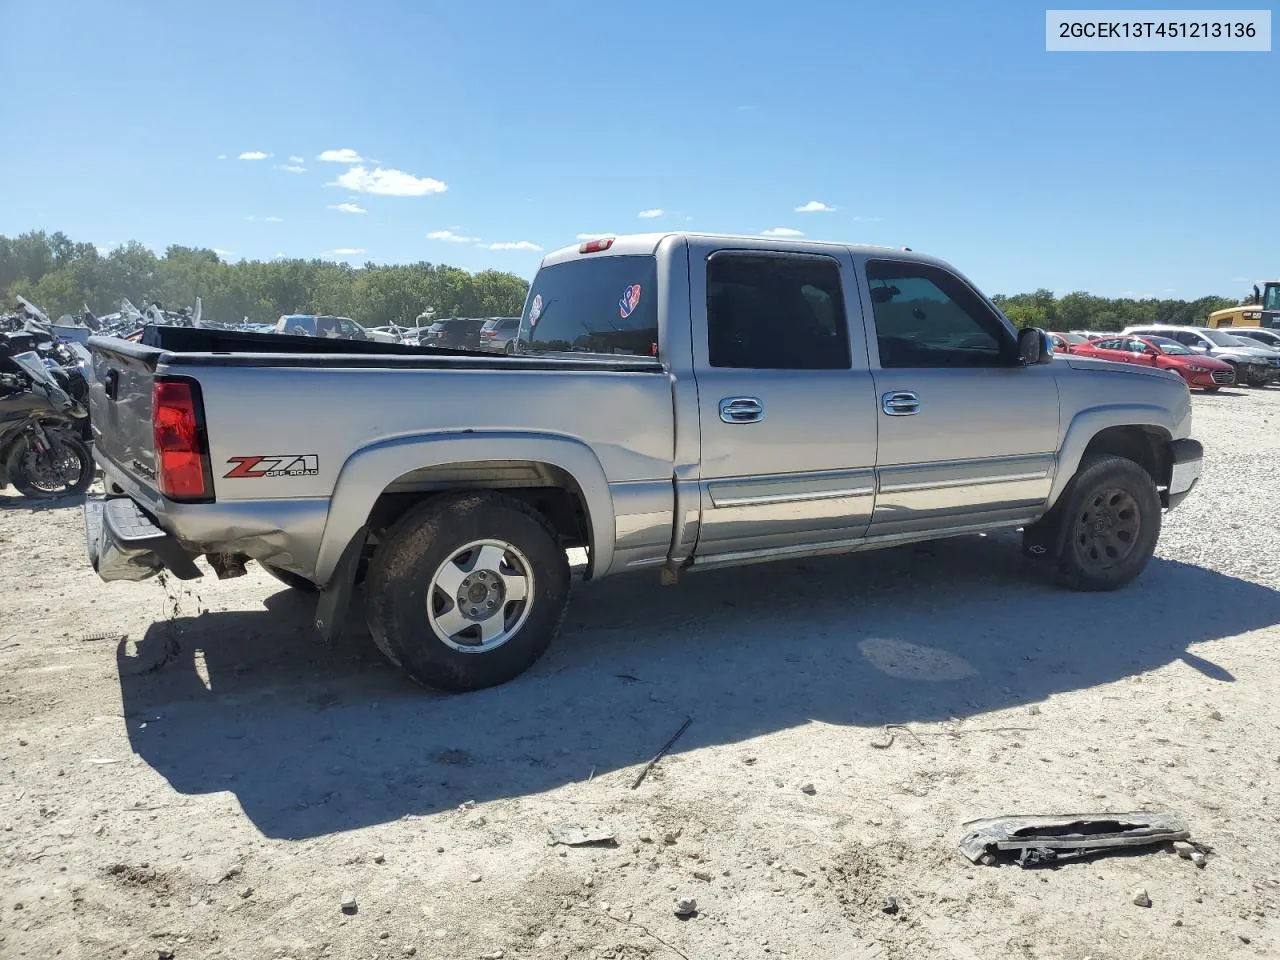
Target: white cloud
595, 236
222, 156
224, 254
1241, 280
347, 251
347, 207
781, 232
274, 219
815, 206
389, 182
511, 245
450, 237
293, 159
650, 214
345, 155
868, 219
254, 155
291, 168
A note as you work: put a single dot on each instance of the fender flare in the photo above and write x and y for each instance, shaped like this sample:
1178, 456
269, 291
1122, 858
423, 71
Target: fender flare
1087, 424
370, 470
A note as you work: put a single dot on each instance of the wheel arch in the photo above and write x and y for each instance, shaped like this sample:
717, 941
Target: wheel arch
1138, 432
557, 475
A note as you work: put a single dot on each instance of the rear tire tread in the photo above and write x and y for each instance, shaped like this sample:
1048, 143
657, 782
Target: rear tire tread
401, 568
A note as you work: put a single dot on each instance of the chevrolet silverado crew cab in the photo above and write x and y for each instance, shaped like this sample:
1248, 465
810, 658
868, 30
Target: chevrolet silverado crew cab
676, 402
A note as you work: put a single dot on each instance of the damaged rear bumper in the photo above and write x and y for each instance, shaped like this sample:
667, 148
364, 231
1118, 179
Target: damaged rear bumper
125, 544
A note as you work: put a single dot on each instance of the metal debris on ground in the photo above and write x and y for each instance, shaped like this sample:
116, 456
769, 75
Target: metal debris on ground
572, 835
109, 635
686, 907
661, 753
1040, 840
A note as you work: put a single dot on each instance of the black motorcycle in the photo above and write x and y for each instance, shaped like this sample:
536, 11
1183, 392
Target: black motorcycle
41, 425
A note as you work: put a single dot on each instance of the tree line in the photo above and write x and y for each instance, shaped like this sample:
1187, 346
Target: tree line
1084, 311
60, 276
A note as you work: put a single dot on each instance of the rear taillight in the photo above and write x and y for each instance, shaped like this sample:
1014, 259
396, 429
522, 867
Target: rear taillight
595, 246
182, 452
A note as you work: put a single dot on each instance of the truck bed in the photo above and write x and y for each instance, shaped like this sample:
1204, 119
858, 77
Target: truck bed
207, 347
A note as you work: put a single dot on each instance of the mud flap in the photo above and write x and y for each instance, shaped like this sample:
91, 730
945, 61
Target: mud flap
335, 596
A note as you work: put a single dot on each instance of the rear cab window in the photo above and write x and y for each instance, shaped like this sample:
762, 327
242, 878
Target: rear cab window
598, 305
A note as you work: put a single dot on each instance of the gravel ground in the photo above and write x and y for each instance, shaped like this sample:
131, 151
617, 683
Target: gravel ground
183, 769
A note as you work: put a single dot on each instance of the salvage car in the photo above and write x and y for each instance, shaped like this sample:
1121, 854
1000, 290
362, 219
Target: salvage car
1204, 373
678, 402
1254, 364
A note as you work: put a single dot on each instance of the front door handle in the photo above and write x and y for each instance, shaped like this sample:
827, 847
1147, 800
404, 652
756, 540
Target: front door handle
900, 403
741, 410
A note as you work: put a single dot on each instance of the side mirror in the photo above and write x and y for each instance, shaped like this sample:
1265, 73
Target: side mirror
1034, 346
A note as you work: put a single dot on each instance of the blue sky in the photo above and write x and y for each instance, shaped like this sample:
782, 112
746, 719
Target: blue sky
939, 126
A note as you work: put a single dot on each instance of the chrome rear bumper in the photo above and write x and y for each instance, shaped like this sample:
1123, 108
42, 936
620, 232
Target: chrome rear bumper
125, 544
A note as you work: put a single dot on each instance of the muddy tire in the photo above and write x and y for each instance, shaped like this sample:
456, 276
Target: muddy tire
1111, 522
290, 579
467, 591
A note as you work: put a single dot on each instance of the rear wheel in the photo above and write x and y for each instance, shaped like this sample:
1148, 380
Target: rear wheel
65, 469
1112, 521
467, 591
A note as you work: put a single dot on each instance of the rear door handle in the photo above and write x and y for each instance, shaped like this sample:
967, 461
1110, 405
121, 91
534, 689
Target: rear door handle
900, 403
111, 384
741, 410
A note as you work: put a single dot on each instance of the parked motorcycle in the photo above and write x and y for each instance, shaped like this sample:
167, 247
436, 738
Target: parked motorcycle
41, 450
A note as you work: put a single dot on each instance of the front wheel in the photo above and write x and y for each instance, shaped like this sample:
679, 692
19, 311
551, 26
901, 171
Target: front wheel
467, 591
63, 469
1112, 516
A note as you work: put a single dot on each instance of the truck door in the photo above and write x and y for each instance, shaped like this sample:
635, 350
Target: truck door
967, 435
786, 404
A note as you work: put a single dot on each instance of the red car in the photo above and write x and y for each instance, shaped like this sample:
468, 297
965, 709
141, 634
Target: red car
1067, 342
1202, 372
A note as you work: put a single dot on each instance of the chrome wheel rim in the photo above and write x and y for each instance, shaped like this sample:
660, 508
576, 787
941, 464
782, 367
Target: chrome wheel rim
1107, 529
480, 596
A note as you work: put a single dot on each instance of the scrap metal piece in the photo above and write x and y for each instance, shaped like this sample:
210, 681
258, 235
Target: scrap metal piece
1040, 840
571, 835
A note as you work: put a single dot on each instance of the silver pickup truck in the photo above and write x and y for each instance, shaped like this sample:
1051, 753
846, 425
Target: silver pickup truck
676, 401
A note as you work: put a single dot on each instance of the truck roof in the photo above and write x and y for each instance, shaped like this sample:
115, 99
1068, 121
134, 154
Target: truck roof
647, 243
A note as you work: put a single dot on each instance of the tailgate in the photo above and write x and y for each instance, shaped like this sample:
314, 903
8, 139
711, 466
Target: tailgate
120, 405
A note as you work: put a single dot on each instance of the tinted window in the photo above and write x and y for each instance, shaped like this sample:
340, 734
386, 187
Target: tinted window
1187, 337
926, 317
775, 313
1271, 298
1107, 344
602, 305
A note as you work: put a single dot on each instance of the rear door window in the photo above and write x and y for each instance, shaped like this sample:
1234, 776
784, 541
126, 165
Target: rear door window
596, 305
775, 312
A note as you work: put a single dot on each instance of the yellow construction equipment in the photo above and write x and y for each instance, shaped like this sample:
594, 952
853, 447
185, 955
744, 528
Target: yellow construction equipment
1261, 310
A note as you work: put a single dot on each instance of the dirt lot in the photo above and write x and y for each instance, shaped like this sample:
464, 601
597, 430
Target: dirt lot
184, 769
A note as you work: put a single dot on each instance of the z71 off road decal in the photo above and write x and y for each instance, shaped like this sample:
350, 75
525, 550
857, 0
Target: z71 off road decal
280, 465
